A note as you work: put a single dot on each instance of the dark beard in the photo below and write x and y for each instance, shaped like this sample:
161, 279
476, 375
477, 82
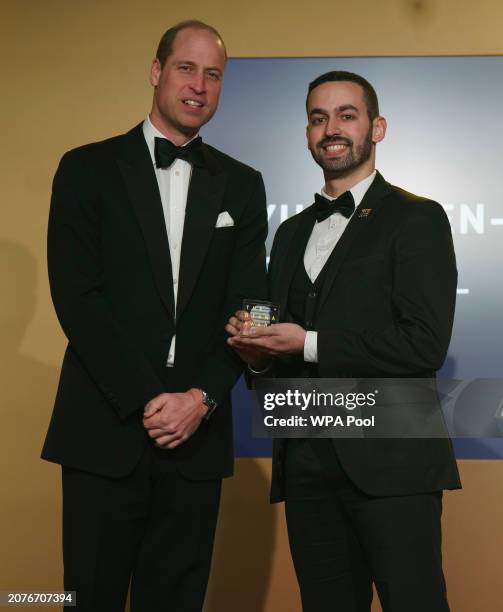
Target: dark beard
355, 157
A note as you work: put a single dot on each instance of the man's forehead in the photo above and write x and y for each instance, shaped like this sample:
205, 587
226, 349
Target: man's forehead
337, 94
192, 38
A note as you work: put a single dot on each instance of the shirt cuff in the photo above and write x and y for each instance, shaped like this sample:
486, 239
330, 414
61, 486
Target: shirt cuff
311, 347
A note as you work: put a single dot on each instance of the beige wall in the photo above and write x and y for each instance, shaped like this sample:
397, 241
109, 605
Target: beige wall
73, 72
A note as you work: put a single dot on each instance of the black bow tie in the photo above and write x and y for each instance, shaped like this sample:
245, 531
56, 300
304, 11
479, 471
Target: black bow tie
323, 207
166, 152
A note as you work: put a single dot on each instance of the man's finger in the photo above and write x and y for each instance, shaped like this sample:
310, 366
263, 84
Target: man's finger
231, 329
149, 412
165, 441
152, 420
155, 432
178, 441
155, 404
172, 441
174, 444
242, 315
157, 422
258, 332
240, 344
249, 341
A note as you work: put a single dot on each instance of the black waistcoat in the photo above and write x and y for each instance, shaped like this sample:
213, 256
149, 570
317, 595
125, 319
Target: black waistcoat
301, 307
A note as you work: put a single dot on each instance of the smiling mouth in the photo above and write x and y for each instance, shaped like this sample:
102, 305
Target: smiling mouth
335, 148
193, 103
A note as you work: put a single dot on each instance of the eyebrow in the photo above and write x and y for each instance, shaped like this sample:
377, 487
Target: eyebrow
339, 109
190, 63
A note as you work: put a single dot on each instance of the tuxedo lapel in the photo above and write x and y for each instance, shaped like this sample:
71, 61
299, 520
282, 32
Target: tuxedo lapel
204, 201
364, 214
137, 170
293, 253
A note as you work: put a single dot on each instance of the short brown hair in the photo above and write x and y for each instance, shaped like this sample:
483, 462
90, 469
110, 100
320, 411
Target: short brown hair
165, 48
342, 75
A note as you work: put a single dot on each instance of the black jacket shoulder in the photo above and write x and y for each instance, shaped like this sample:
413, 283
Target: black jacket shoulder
230, 164
411, 205
94, 150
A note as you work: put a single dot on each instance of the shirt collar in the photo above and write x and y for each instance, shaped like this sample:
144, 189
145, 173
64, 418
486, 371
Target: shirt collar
150, 133
357, 191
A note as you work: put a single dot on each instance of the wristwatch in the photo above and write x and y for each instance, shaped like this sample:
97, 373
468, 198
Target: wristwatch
210, 403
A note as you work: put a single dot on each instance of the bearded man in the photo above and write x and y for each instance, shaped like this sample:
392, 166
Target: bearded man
366, 283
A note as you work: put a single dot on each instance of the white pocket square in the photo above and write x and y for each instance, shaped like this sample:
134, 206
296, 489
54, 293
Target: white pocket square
224, 220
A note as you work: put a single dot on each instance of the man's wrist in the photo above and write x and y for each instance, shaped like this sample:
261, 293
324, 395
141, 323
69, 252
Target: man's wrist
208, 403
259, 369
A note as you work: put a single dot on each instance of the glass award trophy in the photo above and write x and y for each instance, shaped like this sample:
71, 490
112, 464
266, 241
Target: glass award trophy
262, 313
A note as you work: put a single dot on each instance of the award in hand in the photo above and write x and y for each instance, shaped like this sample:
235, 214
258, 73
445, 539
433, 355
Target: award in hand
262, 313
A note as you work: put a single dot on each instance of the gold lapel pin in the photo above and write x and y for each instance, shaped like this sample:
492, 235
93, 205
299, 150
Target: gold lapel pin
365, 213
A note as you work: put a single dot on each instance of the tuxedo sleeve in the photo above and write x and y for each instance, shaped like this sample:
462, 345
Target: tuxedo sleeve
424, 280
270, 371
120, 371
247, 280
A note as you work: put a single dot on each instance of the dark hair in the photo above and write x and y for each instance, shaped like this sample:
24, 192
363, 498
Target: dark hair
341, 75
165, 48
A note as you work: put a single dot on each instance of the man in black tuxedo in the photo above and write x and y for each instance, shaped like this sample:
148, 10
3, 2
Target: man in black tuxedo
366, 282
153, 237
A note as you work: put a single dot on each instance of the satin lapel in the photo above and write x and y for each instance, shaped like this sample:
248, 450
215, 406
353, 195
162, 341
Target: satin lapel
138, 173
293, 253
204, 201
364, 214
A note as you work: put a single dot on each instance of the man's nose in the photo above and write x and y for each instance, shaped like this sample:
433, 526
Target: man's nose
199, 82
333, 127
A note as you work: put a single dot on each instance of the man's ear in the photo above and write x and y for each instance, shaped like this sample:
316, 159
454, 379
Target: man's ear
155, 72
379, 126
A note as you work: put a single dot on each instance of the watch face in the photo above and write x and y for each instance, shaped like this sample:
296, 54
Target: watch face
212, 404
209, 401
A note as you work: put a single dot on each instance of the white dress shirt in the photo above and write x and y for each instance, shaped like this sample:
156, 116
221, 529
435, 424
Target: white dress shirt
321, 243
173, 187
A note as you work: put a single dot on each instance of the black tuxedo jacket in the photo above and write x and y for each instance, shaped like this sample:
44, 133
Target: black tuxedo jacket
112, 287
385, 310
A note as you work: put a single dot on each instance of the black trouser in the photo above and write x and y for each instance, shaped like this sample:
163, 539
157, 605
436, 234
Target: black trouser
153, 528
343, 540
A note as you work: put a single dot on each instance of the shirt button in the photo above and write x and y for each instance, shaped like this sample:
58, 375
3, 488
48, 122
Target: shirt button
175, 281
175, 246
312, 294
177, 173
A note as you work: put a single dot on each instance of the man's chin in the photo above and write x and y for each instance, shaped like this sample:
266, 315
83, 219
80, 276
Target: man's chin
339, 168
195, 122
334, 164
192, 128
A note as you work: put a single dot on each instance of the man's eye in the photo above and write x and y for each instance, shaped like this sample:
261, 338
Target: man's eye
348, 117
317, 120
184, 68
214, 75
